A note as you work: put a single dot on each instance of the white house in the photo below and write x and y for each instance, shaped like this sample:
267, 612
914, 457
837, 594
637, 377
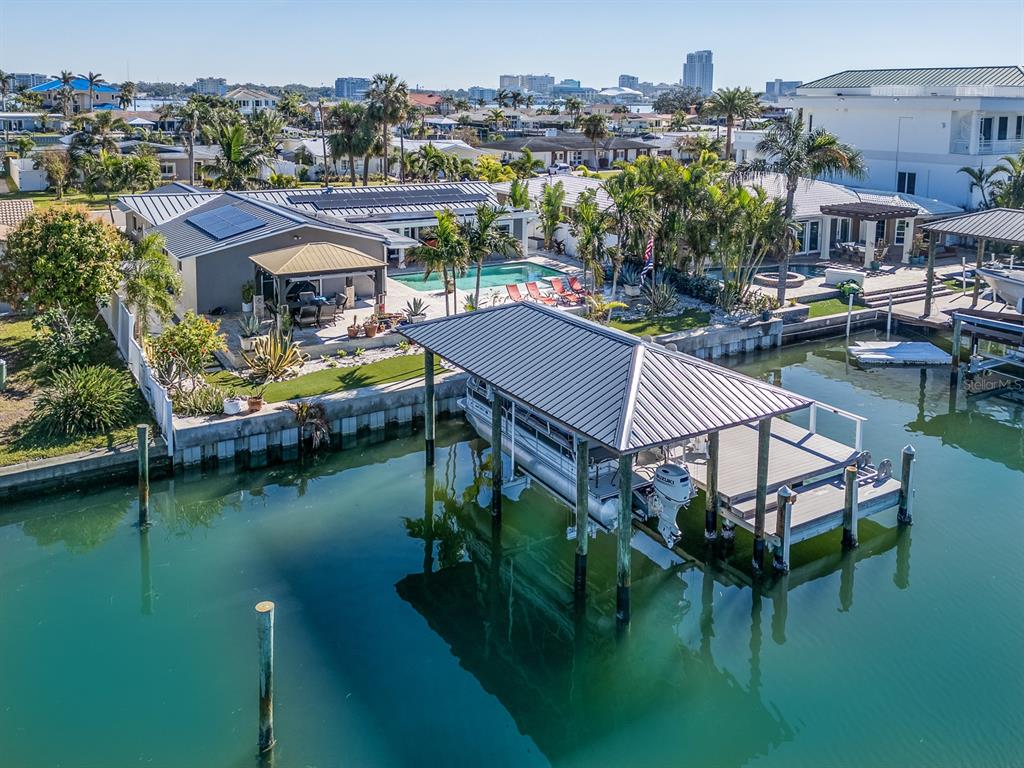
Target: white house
250, 100
917, 127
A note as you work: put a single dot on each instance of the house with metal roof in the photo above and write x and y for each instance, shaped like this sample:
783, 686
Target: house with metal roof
104, 95
572, 148
917, 127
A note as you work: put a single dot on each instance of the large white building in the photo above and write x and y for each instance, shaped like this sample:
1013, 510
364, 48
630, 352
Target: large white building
917, 127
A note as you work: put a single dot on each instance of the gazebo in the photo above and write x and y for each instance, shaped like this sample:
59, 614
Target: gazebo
326, 263
870, 214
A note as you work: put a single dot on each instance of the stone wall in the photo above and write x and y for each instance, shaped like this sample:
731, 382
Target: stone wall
715, 341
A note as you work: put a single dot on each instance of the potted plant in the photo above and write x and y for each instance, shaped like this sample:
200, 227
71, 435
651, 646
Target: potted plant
370, 326
248, 291
629, 276
249, 328
234, 405
416, 310
255, 400
353, 330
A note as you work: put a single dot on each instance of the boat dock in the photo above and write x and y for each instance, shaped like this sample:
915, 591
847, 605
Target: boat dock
898, 353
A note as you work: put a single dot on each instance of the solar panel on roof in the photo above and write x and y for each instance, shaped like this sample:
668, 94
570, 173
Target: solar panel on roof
227, 221
375, 198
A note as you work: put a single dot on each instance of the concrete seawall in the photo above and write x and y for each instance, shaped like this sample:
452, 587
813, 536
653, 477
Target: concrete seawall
714, 342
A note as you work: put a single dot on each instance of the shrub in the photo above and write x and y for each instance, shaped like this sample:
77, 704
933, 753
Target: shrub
661, 299
701, 287
200, 401
67, 338
83, 400
849, 288
182, 350
274, 357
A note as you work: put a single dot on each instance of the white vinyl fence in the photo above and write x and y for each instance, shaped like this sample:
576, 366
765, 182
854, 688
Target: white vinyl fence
122, 325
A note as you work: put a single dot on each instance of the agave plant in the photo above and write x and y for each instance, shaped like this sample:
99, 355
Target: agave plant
249, 326
274, 357
661, 299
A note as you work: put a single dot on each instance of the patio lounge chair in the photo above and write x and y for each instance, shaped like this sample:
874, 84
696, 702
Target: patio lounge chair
513, 292
536, 295
577, 286
564, 293
307, 315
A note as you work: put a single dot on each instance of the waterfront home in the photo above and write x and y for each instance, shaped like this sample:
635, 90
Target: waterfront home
104, 95
340, 166
917, 127
251, 100
26, 121
572, 148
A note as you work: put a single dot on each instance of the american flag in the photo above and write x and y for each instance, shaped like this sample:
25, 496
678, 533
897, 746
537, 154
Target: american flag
648, 260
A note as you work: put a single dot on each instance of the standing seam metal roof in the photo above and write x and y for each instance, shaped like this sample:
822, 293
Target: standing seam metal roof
940, 77
602, 383
1003, 224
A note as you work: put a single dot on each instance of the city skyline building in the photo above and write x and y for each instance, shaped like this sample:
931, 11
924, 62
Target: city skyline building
699, 71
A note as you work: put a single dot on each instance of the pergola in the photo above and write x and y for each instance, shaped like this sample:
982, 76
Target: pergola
996, 225
870, 214
317, 260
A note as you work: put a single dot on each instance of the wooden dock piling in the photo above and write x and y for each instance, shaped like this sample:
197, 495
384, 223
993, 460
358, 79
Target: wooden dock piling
906, 513
428, 404
625, 536
850, 508
582, 515
497, 460
711, 496
142, 434
265, 643
783, 523
954, 371
764, 436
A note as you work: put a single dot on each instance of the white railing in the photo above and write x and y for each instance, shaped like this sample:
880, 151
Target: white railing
987, 146
122, 325
857, 420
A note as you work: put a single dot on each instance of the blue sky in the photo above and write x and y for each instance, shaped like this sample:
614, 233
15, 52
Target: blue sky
443, 44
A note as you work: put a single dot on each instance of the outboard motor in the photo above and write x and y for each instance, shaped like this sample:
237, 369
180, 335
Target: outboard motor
673, 489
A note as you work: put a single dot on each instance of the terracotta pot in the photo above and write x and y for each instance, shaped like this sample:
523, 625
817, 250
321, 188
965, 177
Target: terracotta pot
370, 329
353, 332
255, 404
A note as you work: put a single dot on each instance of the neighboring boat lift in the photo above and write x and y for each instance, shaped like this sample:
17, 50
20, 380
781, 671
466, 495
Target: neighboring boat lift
898, 353
644, 405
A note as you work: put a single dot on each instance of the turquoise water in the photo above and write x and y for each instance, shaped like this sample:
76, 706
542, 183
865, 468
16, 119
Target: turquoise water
409, 634
491, 276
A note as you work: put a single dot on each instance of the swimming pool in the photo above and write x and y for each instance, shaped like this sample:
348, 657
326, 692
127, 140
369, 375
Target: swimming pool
491, 276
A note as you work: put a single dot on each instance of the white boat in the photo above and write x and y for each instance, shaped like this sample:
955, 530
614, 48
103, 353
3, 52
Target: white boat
1007, 284
547, 453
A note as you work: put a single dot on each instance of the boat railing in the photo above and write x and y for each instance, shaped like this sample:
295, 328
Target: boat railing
857, 420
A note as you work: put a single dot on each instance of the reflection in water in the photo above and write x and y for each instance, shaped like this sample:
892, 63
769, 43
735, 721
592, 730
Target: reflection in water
146, 577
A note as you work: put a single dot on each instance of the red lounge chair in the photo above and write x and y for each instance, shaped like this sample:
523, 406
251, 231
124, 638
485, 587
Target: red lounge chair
536, 295
513, 292
576, 285
563, 293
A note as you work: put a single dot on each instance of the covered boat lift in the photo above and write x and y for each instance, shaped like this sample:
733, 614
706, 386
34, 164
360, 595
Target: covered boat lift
628, 398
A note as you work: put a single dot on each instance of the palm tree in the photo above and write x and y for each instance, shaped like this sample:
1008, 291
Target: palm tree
126, 94
93, 79
240, 160
501, 98
590, 225
574, 107
289, 104
389, 98
1009, 192
141, 170
496, 117
519, 194
595, 127
732, 104
443, 249
354, 135
265, 128
23, 145
483, 237
699, 142
65, 100
66, 77
434, 161
107, 172
189, 118
151, 285
552, 200
634, 217
788, 148
6, 78
526, 165
980, 179
102, 126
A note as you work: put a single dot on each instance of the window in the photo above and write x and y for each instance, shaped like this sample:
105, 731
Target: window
906, 182
901, 232
166, 169
1019, 133
1002, 129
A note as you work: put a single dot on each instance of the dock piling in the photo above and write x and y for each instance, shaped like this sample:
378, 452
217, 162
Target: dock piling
3, 374
783, 523
428, 404
582, 516
955, 355
850, 508
142, 434
906, 513
265, 643
497, 460
625, 536
711, 500
764, 436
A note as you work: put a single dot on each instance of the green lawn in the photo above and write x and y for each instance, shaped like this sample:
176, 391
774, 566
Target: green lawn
46, 199
25, 378
691, 318
327, 380
830, 307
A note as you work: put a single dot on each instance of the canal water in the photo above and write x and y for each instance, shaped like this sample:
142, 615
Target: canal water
409, 633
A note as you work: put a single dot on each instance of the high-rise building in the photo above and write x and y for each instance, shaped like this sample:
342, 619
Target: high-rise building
629, 81
509, 82
29, 79
699, 72
351, 88
211, 86
478, 92
773, 89
533, 83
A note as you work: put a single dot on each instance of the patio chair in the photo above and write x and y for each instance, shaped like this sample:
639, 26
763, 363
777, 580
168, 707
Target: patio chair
307, 315
564, 293
536, 295
513, 292
340, 301
326, 313
577, 286
306, 297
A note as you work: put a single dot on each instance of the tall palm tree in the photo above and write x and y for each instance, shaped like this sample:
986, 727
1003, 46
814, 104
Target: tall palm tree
106, 171
496, 117
574, 107
526, 165
590, 226
549, 206
189, 120
6, 78
595, 128
1008, 192
501, 98
980, 179
788, 148
389, 98
634, 218
443, 250
732, 104
65, 100
102, 126
353, 136
126, 94
66, 77
241, 158
265, 128
150, 285
141, 170
93, 79
483, 237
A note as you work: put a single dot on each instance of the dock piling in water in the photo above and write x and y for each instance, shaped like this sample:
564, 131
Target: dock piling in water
783, 523
265, 643
142, 434
497, 461
955, 355
582, 516
764, 436
906, 513
711, 500
428, 404
850, 508
625, 538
